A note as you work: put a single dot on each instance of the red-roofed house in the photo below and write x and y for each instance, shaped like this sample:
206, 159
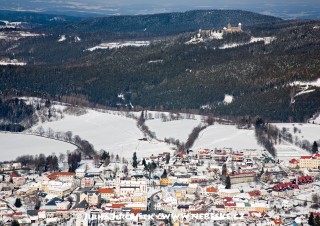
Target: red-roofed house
106, 193
277, 221
204, 154
229, 206
118, 205
293, 163
62, 176
254, 194
16, 179
211, 190
310, 161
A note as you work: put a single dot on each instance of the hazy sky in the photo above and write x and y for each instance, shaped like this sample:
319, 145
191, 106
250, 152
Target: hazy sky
272, 7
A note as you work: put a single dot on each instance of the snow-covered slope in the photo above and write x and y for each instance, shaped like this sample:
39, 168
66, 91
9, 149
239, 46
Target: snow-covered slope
109, 131
177, 129
286, 152
16, 35
304, 87
266, 40
11, 62
116, 45
14, 145
316, 120
315, 83
62, 38
219, 136
304, 131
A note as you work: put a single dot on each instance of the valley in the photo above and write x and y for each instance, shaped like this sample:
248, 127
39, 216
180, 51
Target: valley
202, 117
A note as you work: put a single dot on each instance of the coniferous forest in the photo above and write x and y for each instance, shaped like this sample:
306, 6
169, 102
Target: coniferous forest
170, 73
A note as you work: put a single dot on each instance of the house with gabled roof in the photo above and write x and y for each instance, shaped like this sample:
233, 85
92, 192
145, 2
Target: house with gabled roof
310, 161
51, 207
87, 181
62, 176
106, 193
93, 198
293, 163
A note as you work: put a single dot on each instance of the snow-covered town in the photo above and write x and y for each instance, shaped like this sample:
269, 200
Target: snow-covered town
218, 186
219, 174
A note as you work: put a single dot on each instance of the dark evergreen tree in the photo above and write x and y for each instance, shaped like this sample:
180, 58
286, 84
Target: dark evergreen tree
224, 172
49, 113
224, 169
315, 148
153, 165
47, 103
134, 160
228, 182
104, 155
259, 122
164, 174
18, 203
15, 223
317, 220
262, 172
167, 158
311, 219
144, 163
73, 161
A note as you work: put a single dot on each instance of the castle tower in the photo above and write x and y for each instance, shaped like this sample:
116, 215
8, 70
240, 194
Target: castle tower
229, 26
239, 26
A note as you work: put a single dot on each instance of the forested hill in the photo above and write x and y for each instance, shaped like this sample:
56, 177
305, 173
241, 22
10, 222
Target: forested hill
32, 19
166, 23
101, 62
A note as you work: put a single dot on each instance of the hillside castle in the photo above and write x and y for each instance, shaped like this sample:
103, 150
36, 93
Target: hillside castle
214, 34
228, 29
233, 29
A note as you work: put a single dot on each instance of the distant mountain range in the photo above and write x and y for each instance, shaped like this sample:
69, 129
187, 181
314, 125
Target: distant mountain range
165, 23
84, 8
174, 61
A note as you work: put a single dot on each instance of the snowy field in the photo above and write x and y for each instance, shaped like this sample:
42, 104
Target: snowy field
220, 136
304, 131
177, 129
315, 83
109, 131
62, 38
14, 145
288, 152
266, 40
116, 45
317, 120
12, 62
16, 35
